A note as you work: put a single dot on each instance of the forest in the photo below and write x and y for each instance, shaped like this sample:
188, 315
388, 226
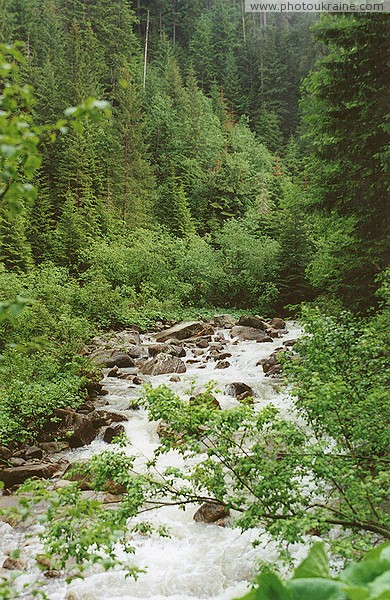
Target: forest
165, 162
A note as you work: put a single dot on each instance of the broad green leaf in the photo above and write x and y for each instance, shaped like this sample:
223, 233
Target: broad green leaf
365, 572
356, 592
270, 587
316, 589
378, 552
315, 565
380, 587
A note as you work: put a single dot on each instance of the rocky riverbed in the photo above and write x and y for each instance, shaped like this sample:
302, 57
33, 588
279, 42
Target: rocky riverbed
200, 559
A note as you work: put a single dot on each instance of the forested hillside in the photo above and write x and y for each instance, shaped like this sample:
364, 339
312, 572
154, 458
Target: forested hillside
179, 159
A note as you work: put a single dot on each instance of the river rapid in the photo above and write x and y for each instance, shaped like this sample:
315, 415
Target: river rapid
198, 561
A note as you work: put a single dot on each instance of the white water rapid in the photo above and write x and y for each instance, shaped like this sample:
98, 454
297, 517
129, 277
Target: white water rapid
199, 561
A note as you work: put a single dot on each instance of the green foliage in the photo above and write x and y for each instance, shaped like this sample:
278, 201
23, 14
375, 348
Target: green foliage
366, 580
346, 110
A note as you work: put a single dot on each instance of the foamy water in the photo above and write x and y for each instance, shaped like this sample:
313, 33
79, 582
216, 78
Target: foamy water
198, 561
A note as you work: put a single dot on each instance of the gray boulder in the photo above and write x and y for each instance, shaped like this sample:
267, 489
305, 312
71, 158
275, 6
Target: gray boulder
181, 331
17, 475
210, 512
255, 322
248, 333
163, 364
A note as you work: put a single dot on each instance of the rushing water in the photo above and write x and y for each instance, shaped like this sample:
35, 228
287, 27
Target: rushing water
198, 561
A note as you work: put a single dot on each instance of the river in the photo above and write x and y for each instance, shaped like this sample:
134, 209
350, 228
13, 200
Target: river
198, 561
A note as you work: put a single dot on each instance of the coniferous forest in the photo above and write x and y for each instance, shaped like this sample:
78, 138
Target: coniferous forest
166, 162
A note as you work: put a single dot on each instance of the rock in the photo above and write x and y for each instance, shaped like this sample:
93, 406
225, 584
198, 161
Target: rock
290, 342
224, 355
112, 358
134, 351
200, 399
54, 447
138, 380
87, 407
254, 322
224, 321
210, 512
222, 364
14, 564
33, 452
119, 359
175, 378
273, 333
102, 416
181, 331
238, 388
198, 352
5, 453
94, 387
77, 429
113, 431
245, 398
277, 323
52, 574
16, 475
202, 343
274, 371
217, 346
163, 364
267, 338
172, 349
17, 462
247, 333
269, 363
114, 372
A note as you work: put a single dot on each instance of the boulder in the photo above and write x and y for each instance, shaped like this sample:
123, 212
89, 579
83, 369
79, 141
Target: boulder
54, 447
33, 452
202, 343
266, 338
289, 343
163, 364
237, 388
224, 355
181, 331
274, 371
210, 512
119, 359
14, 564
172, 349
17, 475
224, 321
254, 322
134, 351
5, 453
222, 364
112, 358
269, 363
102, 416
75, 428
206, 399
112, 432
277, 323
247, 333
175, 378
273, 333
16, 462
245, 398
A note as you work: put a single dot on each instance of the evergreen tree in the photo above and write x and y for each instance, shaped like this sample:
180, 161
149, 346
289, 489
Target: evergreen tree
346, 108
